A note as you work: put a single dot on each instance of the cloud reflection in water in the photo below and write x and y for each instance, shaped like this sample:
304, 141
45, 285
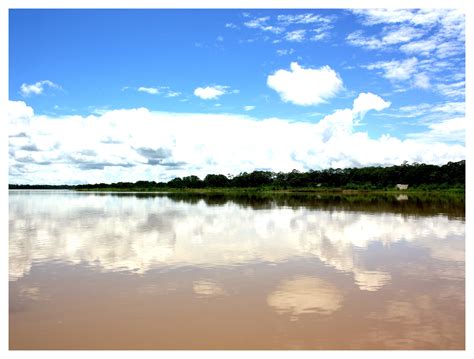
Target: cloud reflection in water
138, 234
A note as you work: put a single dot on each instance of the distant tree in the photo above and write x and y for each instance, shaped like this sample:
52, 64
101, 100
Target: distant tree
192, 182
212, 180
176, 183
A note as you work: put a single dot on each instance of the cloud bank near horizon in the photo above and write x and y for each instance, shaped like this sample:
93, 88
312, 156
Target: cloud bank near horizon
138, 144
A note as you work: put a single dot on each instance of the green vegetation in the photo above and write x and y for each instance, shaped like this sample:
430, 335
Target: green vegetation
419, 177
421, 204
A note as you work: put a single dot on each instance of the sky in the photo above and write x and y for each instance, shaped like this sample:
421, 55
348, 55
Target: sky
128, 95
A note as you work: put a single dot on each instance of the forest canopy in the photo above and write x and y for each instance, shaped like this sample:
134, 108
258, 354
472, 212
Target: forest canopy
416, 175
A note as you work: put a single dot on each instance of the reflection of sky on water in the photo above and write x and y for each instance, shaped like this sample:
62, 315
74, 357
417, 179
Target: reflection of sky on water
207, 288
138, 234
302, 277
305, 295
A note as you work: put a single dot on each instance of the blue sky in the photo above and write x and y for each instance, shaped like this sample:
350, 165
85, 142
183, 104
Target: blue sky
72, 70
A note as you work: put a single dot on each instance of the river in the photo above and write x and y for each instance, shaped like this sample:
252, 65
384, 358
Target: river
158, 271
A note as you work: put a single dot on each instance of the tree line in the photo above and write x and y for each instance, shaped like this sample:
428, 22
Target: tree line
418, 175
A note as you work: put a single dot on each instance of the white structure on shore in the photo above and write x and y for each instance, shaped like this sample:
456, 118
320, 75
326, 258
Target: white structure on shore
402, 186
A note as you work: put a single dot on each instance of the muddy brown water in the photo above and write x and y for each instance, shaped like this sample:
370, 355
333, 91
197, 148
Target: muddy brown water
131, 271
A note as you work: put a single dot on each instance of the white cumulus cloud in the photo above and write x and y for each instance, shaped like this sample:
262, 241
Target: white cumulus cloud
296, 35
436, 37
389, 38
158, 146
305, 86
421, 80
261, 23
37, 88
149, 90
453, 129
422, 47
368, 101
307, 18
455, 89
283, 52
396, 70
210, 92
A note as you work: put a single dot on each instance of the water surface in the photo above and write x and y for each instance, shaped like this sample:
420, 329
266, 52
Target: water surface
142, 271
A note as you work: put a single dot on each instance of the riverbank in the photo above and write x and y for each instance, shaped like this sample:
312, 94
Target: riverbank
251, 190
